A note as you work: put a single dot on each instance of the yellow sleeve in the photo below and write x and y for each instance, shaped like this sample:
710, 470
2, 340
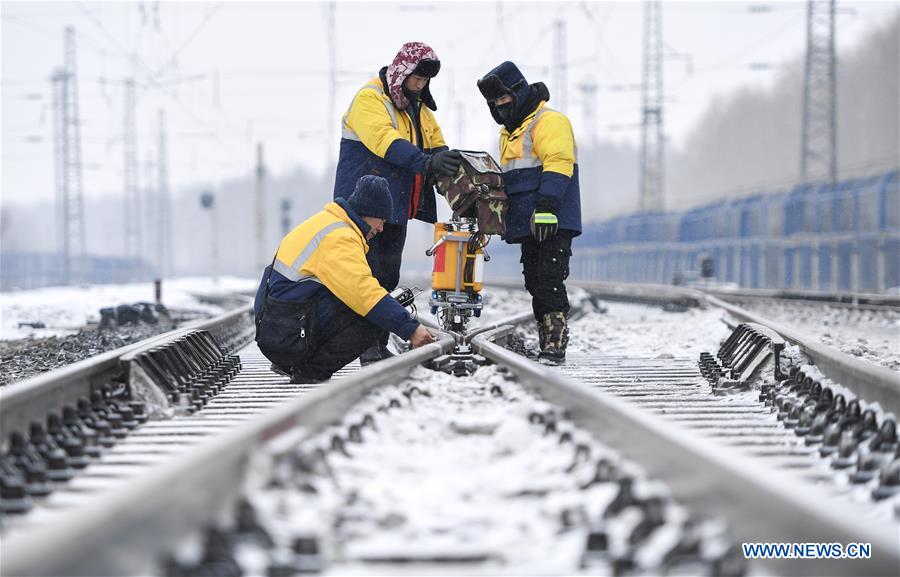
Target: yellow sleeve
343, 269
436, 138
370, 120
554, 143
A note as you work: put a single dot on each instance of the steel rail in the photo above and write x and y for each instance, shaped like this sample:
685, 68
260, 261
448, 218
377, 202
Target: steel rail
862, 301
762, 505
700, 475
513, 320
870, 382
31, 399
464, 338
873, 383
127, 532
627, 292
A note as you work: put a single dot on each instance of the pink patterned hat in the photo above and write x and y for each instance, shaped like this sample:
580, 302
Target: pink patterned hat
405, 62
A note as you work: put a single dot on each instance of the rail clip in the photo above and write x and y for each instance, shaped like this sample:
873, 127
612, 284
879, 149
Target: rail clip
741, 356
461, 362
184, 374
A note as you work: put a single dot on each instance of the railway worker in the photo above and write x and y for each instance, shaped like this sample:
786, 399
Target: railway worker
540, 173
389, 130
318, 305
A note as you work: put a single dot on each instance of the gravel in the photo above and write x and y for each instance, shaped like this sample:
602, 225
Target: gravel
24, 358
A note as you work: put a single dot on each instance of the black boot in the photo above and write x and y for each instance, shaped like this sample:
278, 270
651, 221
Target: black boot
556, 331
298, 377
280, 369
374, 354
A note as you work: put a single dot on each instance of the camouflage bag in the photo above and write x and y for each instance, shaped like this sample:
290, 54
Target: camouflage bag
477, 191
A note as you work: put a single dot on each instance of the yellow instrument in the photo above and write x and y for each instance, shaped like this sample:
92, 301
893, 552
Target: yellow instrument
456, 276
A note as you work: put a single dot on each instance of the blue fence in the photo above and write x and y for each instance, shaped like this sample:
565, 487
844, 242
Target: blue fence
20, 270
811, 238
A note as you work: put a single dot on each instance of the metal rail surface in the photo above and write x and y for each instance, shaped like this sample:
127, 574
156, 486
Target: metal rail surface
159, 510
31, 399
861, 301
762, 504
651, 294
154, 514
871, 382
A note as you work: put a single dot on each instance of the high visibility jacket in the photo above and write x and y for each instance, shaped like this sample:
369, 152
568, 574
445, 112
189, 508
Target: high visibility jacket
329, 250
379, 139
539, 161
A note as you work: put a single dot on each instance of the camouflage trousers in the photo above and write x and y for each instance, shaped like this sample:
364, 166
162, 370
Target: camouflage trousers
545, 266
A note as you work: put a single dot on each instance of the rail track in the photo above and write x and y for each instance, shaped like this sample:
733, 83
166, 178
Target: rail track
177, 493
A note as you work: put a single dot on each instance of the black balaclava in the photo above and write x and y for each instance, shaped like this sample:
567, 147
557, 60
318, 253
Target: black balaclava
507, 79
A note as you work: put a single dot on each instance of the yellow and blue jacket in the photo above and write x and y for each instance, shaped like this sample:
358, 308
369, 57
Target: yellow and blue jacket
325, 256
377, 138
539, 162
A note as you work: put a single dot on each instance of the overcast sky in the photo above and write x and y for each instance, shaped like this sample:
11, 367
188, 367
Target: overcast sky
231, 74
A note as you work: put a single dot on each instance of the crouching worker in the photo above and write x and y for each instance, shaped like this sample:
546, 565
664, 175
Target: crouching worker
318, 305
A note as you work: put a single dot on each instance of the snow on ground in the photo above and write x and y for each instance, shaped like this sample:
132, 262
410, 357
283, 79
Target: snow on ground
64, 310
455, 473
870, 336
618, 329
624, 330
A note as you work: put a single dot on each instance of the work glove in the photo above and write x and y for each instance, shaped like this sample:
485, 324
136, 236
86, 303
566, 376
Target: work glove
444, 163
544, 224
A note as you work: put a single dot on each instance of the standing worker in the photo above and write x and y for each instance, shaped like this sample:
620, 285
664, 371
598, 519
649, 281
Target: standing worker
540, 173
390, 131
318, 305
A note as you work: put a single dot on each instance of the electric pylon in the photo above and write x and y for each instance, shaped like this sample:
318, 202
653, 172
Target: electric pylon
652, 143
560, 68
67, 148
818, 158
164, 210
262, 251
132, 216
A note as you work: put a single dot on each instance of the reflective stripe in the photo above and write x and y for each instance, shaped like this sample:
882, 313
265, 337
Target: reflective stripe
522, 163
292, 275
545, 218
286, 271
292, 272
347, 132
528, 159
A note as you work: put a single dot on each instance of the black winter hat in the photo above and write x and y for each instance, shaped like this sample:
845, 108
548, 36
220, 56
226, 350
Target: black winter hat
372, 197
505, 79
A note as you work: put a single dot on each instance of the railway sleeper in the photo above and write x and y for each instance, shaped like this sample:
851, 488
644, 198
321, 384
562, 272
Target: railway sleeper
854, 439
639, 527
180, 377
851, 437
858, 442
53, 453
